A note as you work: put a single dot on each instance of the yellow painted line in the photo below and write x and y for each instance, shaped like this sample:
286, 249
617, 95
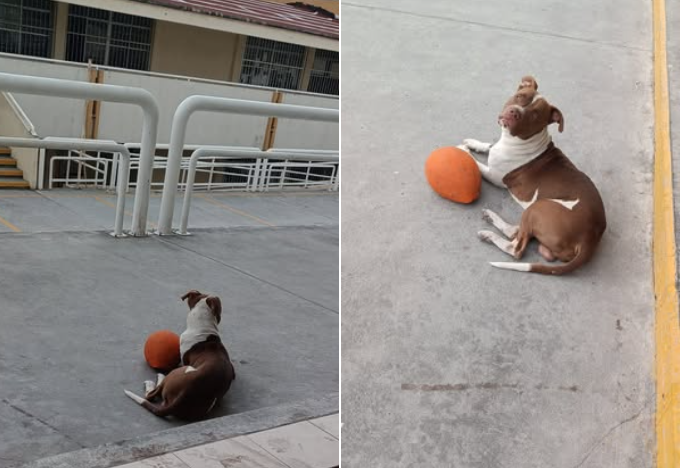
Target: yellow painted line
234, 210
9, 225
667, 326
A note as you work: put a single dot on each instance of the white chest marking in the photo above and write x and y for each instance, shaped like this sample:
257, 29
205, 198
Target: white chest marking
511, 152
190, 369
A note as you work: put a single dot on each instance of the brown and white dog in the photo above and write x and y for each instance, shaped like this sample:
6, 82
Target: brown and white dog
562, 207
192, 390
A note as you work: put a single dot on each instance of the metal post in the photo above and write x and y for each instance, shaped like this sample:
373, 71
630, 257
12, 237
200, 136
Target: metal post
215, 104
102, 92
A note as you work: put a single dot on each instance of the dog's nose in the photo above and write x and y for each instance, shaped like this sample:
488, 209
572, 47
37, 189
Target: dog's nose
513, 113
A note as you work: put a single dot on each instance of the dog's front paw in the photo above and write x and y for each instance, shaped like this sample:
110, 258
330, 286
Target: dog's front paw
487, 215
149, 385
486, 236
476, 145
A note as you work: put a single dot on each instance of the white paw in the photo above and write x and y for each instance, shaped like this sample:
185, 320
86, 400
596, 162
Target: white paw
149, 385
487, 215
477, 146
486, 236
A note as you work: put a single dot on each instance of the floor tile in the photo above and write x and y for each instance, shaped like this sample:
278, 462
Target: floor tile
330, 424
300, 445
163, 461
239, 452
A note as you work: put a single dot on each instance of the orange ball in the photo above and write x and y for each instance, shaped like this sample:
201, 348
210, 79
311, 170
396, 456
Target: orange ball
161, 350
453, 174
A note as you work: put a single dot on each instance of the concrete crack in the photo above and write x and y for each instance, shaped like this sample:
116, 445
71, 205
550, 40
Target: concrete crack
495, 26
607, 434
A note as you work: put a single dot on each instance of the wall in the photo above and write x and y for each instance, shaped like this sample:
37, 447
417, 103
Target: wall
187, 50
308, 135
122, 122
11, 126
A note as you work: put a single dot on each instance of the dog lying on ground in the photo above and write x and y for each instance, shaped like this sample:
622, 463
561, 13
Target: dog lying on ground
191, 391
562, 207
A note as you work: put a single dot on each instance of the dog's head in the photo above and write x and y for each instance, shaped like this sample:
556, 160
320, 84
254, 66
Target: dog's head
527, 112
193, 297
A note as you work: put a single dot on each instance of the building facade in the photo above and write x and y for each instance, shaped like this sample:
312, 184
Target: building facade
244, 41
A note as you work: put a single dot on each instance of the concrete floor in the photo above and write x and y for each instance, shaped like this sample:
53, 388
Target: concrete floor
445, 360
77, 306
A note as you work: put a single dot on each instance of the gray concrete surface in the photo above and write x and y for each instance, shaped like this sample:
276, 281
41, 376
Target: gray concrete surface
191, 435
62, 210
447, 362
77, 306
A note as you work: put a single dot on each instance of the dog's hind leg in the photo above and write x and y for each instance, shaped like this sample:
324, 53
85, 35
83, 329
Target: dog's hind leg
156, 391
492, 238
508, 230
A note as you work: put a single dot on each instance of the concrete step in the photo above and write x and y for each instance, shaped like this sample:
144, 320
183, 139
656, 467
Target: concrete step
13, 183
8, 171
7, 161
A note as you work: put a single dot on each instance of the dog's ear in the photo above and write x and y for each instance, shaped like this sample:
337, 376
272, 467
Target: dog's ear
190, 294
528, 82
192, 298
557, 117
216, 306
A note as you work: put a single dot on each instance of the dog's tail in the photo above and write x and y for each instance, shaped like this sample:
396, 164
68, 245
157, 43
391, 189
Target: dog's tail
161, 410
584, 252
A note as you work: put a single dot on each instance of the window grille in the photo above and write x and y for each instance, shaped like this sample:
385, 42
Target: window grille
325, 75
272, 63
108, 38
26, 27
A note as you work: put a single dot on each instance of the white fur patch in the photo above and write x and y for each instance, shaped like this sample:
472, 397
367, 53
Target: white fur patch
136, 398
190, 369
511, 152
512, 266
526, 204
567, 204
212, 406
201, 323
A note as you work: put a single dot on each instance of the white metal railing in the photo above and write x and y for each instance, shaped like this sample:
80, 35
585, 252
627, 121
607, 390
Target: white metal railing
196, 103
103, 92
231, 153
82, 144
21, 115
99, 169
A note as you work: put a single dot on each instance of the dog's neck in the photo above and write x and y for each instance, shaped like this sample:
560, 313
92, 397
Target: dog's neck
201, 323
516, 152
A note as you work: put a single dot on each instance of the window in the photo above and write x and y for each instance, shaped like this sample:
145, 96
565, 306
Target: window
272, 63
325, 75
26, 27
108, 38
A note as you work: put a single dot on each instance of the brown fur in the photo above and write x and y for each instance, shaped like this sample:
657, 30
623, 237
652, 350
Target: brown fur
192, 395
567, 235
